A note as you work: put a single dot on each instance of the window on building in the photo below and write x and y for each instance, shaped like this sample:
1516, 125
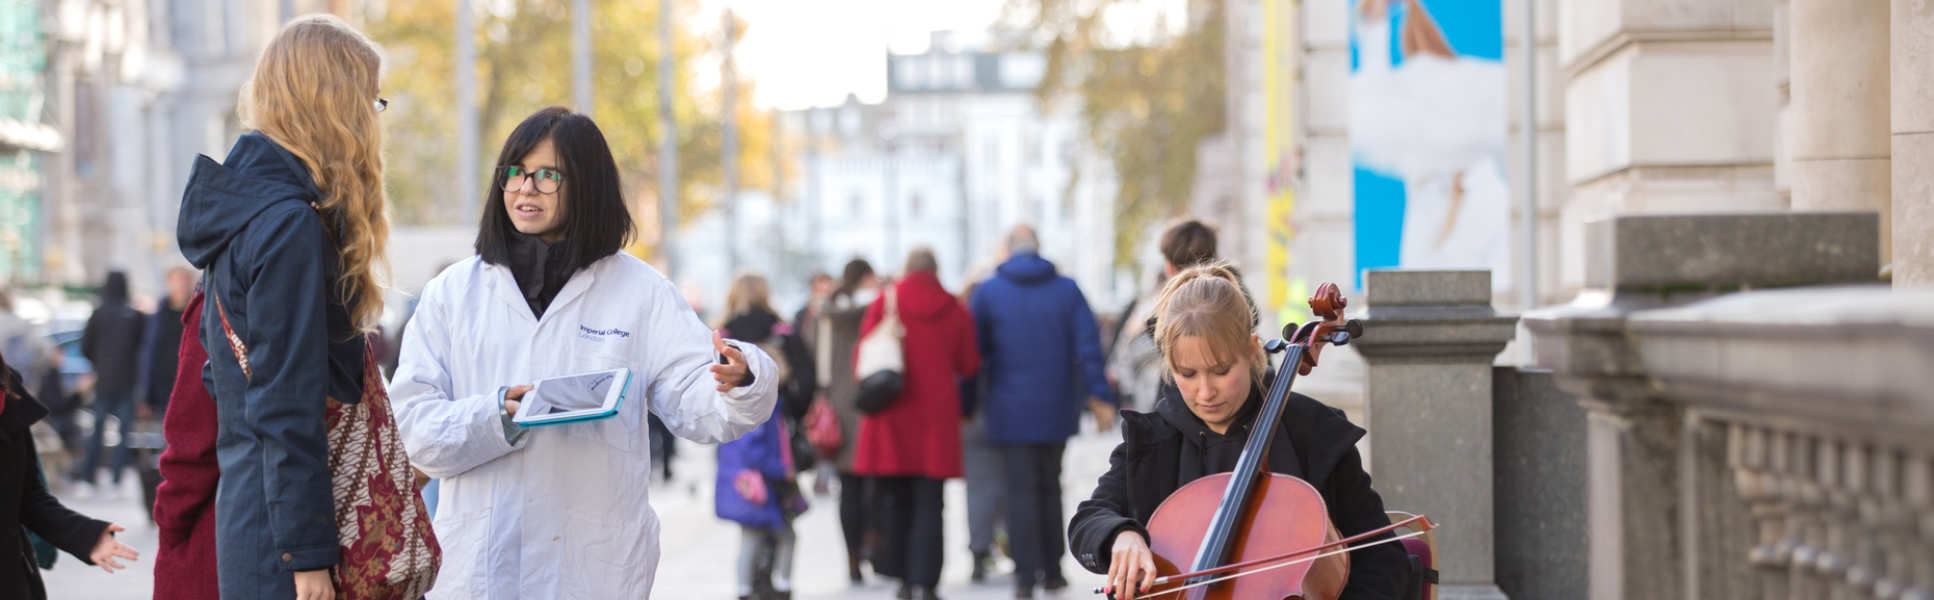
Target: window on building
964, 71
914, 205
87, 126
856, 205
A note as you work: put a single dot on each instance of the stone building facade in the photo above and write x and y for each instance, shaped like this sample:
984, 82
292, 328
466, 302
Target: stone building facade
137, 88
1722, 393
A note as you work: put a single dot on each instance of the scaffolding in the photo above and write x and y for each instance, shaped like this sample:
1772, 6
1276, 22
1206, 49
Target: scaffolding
24, 136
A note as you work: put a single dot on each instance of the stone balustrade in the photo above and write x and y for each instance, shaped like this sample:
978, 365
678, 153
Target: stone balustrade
1744, 442
1808, 440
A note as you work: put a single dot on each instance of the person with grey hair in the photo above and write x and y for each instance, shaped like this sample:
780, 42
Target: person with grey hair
1041, 346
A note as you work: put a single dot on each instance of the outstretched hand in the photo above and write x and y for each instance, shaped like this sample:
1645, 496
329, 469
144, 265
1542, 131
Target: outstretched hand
734, 372
108, 549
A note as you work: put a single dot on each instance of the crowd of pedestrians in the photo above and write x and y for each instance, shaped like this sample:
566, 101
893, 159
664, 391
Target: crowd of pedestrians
294, 468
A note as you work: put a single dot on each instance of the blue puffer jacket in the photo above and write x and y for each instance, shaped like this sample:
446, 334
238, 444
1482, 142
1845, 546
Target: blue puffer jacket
760, 451
1036, 333
248, 223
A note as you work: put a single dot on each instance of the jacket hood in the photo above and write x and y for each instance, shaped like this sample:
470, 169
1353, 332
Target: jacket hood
1027, 268
754, 326
222, 197
19, 410
921, 297
115, 289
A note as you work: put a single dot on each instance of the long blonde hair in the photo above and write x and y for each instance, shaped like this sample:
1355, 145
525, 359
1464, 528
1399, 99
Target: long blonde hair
314, 93
749, 292
1207, 302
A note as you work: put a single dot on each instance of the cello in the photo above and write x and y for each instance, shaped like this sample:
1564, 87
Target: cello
1250, 534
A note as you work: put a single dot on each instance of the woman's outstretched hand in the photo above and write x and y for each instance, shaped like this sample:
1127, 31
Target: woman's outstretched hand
734, 372
108, 549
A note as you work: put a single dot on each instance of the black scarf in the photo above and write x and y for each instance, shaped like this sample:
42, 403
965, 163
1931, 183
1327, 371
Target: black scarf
540, 268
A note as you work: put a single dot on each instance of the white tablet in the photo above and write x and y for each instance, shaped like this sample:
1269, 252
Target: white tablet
573, 398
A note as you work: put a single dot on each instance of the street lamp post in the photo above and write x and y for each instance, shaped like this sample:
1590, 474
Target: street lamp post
729, 146
581, 55
667, 143
891, 199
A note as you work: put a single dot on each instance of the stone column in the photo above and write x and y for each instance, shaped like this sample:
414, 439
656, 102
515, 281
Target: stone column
1429, 338
1671, 107
1913, 143
1840, 109
1639, 544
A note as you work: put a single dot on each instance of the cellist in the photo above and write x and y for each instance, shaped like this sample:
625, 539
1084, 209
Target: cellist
1216, 374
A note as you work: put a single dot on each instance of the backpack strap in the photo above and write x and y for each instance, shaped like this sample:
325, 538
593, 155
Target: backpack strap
234, 341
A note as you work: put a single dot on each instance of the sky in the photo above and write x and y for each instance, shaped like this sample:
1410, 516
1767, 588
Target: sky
814, 53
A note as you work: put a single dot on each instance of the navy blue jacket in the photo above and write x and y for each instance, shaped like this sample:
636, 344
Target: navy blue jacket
249, 224
1036, 333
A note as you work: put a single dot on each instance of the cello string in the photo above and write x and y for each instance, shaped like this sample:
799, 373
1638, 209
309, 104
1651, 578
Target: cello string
1232, 567
1286, 564
1283, 564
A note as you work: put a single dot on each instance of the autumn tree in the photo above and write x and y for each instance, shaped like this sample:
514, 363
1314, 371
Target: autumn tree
523, 63
1146, 104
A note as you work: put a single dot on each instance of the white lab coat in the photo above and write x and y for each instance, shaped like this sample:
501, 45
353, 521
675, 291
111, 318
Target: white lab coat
565, 512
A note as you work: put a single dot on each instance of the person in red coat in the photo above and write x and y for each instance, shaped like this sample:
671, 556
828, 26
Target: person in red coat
912, 446
184, 566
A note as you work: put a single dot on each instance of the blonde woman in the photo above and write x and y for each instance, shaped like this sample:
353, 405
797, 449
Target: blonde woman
1211, 353
288, 229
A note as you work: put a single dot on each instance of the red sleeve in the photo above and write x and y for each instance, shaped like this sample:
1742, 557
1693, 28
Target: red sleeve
188, 467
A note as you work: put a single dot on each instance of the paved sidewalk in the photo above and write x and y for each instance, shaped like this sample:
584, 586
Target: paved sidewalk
699, 551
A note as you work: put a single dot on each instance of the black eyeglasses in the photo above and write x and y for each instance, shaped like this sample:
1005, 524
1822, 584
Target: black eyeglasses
513, 178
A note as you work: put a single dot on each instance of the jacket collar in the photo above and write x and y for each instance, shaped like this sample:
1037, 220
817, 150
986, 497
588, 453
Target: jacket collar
503, 285
1176, 412
1321, 435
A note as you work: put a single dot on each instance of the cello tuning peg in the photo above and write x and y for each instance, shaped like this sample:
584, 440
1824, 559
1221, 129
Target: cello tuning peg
1354, 327
1289, 330
1275, 345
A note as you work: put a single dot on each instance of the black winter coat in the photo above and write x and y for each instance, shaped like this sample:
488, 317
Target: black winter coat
112, 338
1164, 449
25, 501
763, 327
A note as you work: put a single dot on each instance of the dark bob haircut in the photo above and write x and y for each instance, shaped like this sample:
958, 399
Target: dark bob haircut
596, 222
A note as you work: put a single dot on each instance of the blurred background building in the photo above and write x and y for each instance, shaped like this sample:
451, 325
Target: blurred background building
107, 103
958, 152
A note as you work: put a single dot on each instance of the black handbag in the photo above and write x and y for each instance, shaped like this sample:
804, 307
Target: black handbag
878, 390
804, 456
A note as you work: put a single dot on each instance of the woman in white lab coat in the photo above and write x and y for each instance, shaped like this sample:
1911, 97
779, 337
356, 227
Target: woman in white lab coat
558, 511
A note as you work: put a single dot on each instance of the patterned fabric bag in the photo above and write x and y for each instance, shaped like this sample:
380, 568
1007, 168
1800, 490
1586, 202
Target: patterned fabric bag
388, 549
